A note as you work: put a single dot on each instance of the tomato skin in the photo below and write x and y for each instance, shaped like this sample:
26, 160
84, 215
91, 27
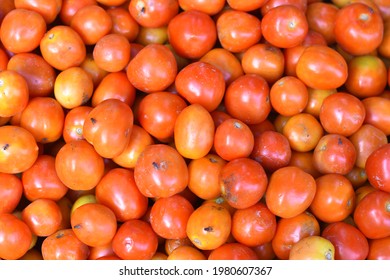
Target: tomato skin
372, 215
238, 188
74, 123
312, 248
47, 8
135, 240
11, 191
287, 201
378, 168
15, 93
321, 17
377, 113
15, 236
379, 249
194, 132
208, 7
233, 251
19, 149
186, 253
349, 242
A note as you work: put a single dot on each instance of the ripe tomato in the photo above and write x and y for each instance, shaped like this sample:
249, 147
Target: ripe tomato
384, 47
39, 74
284, 26
74, 123
372, 215
41, 180
160, 171
171, 245
272, 150
118, 191
378, 168
108, 127
247, 99
79, 166
321, 18
123, 23
254, 225
48, 9
334, 199
358, 29
135, 240
312, 248
15, 237
5, 8
202, 83
94, 224
246, 5
18, 151
44, 118
194, 132
379, 249
64, 245
209, 7
301, 4
243, 182
316, 98
288, 200
62, 47
321, 67
153, 13
244, 33
151, 75
99, 252
11, 191
233, 251
334, 153
349, 242
377, 113
290, 230
169, 216
43, 216
209, 225
190, 42
15, 93
342, 113
186, 253
22, 30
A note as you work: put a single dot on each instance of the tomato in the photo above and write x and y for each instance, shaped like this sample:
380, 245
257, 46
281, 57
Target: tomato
160, 171
99, 252
152, 35
247, 99
383, 48
11, 191
194, 132
372, 215
312, 248
152, 75
15, 93
201, 83
378, 168
243, 182
349, 242
118, 191
290, 230
284, 26
233, 251
74, 123
15, 237
123, 23
62, 47
153, 13
91, 22
135, 240
186, 253
233, 139
316, 99
89, 65
112, 52
169, 216
272, 150
303, 132
377, 113
244, 33
5, 8
94, 224
43, 216
357, 176
321, 67
79, 166
246, 5
321, 18
289, 96
44, 118
264, 251
47, 8
379, 249
304, 160
19, 150
41, 180
70, 7
108, 127
358, 29
254, 225
192, 33
22, 30
64, 245
362, 191
334, 153
287, 201
208, 7
208, 227
171, 245
342, 113
300, 4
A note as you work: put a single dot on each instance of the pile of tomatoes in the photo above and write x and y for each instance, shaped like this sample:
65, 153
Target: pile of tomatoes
186, 129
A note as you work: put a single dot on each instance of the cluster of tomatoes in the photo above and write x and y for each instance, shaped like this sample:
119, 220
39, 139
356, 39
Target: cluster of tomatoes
185, 129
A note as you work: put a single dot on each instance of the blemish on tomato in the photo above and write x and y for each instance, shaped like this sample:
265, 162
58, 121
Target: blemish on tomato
5, 147
208, 229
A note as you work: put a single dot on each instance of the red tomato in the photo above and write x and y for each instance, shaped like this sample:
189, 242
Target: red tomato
209, 7
379, 249
378, 168
233, 251
74, 123
49, 9
321, 18
11, 191
377, 113
243, 182
288, 200
123, 23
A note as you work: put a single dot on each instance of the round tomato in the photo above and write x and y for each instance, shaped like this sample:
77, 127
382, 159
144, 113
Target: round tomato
15, 93
312, 248
233, 251
11, 191
378, 168
379, 249
152, 13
